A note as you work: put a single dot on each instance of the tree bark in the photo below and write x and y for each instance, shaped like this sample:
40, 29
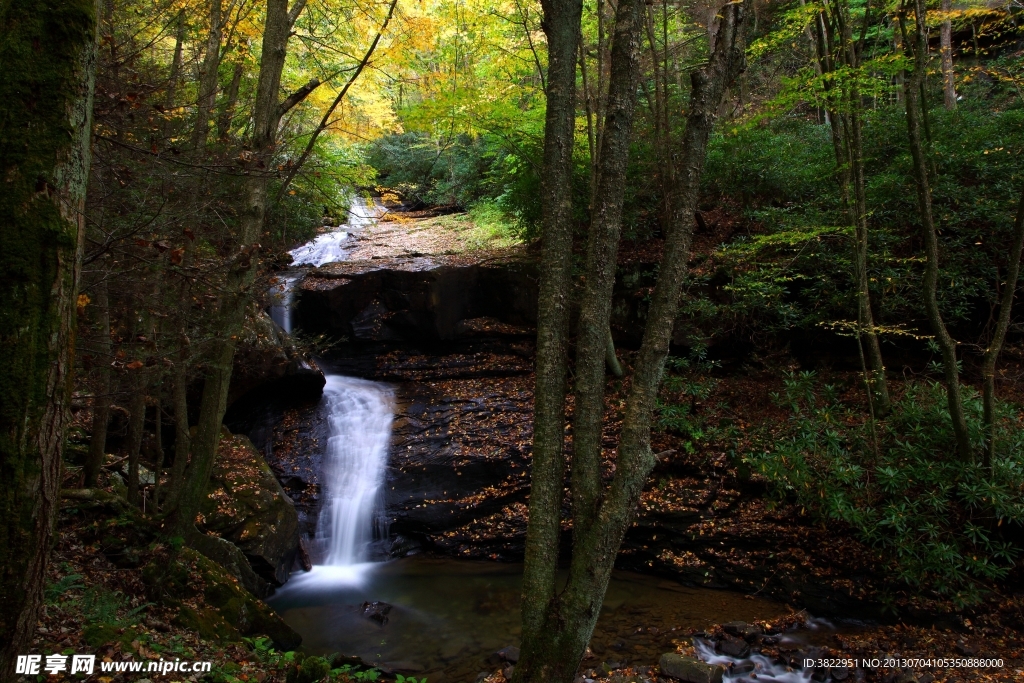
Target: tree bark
48, 60
227, 114
988, 363
266, 117
209, 79
552, 652
947, 345
101, 398
592, 333
946, 44
136, 430
562, 28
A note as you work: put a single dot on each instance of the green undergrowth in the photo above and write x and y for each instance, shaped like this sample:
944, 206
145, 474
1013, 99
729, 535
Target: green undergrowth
939, 520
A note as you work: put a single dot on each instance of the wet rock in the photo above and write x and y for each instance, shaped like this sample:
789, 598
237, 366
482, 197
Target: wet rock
267, 363
688, 669
731, 646
376, 611
247, 506
419, 298
508, 654
840, 673
741, 629
230, 611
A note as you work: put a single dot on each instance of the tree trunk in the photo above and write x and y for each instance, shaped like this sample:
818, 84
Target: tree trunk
947, 345
233, 303
946, 43
562, 27
136, 430
988, 363
101, 399
179, 397
209, 79
552, 652
48, 60
592, 332
227, 114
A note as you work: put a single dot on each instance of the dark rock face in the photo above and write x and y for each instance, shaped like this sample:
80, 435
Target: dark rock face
247, 506
267, 364
689, 670
377, 611
417, 299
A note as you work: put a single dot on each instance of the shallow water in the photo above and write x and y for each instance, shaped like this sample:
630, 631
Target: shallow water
448, 616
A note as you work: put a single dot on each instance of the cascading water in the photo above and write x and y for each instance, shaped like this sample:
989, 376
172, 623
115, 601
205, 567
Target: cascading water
331, 246
282, 296
359, 415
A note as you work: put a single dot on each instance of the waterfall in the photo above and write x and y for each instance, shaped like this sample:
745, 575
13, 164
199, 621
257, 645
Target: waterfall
331, 246
282, 296
359, 417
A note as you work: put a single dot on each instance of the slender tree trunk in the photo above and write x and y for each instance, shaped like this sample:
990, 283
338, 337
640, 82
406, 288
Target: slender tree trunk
946, 42
175, 72
179, 397
562, 27
227, 114
266, 118
158, 443
988, 363
553, 652
947, 345
136, 430
102, 398
48, 61
593, 334
209, 79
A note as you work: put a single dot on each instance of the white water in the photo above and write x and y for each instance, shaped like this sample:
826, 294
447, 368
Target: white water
332, 246
359, 420
282, 296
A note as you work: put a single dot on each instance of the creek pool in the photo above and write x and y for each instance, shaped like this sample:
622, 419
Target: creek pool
449, 615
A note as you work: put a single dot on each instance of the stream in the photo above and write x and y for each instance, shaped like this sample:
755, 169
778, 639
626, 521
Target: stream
440, 618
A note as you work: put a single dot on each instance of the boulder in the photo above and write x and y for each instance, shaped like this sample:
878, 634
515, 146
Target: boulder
267, 363
741, 629
731, 646
247, 506
689, 670
377, 611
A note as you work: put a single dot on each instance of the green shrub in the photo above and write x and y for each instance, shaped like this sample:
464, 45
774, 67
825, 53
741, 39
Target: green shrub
899, 484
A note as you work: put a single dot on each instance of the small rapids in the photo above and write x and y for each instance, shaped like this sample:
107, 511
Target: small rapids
332, 246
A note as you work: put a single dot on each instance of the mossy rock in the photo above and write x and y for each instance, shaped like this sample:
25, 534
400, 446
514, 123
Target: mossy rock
208, 623
98, 635
310, 670
247, 506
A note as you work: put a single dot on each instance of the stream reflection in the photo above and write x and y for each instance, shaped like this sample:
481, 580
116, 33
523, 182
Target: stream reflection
448, 616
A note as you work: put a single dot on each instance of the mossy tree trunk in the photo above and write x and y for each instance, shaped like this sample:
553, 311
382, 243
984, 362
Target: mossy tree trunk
47, 58
558, 624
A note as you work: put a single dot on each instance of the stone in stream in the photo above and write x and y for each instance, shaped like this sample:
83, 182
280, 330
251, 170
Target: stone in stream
688, 669
741, 629
732, 646
508, 654
376, 611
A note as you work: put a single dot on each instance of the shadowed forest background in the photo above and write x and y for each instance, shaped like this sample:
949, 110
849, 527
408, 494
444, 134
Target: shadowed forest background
834, 420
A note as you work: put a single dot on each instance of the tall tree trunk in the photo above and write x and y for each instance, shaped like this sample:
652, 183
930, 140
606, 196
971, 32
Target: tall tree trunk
175, 72
593, 334
179, 396
266, 117
946, 43
562, 27
209, 79
102, 399
136, 430
227, 114
947, 345
48, 61
552, 652
988, 363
